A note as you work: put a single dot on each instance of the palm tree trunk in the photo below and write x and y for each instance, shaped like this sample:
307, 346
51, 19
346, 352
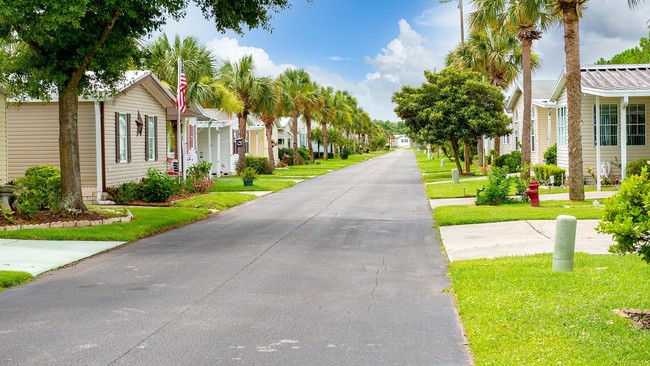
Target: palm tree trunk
71, 193
468, 158
526, 44
241, 151
310, 148
574, 100
269, 143
296, 156
325, 141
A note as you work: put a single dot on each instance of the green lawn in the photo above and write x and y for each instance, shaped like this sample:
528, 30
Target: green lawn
548, 210
216, 201
146, 221
427, 165
516, 311
13, 278
452, 190
235, 184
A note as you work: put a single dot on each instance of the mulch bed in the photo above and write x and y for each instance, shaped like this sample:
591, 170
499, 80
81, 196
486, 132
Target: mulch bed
46, 217
641, 318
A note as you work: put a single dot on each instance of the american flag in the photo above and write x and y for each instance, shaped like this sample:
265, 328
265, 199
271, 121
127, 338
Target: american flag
180, 91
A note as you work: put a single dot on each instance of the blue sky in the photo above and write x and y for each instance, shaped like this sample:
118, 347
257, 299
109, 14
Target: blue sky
372, 47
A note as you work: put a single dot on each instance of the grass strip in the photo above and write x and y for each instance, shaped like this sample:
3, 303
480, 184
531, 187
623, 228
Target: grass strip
260, 184
13, 278
146, 221
215, 201
548, 210
516, 311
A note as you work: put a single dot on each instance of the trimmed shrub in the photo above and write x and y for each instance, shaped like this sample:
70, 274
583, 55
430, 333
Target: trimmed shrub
544, 172
304, 154
249, 175
125, 193
378, 142
512, 162
550, 155
259, 163
39, 190
157, 186
497, 190
627, 217
636, 166
345, 152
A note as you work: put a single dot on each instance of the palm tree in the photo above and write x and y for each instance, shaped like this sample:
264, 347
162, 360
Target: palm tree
325, 115
313, 103
496, 54
268, 109
239, 78
295, 83
527, 18
569, 11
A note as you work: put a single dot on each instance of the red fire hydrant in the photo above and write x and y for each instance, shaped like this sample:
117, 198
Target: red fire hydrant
533, 193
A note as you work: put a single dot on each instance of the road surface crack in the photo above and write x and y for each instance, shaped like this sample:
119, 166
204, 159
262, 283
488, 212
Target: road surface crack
376, 284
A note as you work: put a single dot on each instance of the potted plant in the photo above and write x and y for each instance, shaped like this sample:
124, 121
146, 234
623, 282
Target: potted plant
248, 176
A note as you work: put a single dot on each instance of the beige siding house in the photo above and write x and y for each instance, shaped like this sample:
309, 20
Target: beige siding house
615, 106
121, 136
3, 137
543, 125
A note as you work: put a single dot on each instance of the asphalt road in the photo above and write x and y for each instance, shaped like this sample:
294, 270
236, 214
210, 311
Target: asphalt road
343, 269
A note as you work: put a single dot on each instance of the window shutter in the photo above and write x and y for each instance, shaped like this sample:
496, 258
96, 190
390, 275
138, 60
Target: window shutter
117, 137
146, 137
128, 137
155, 138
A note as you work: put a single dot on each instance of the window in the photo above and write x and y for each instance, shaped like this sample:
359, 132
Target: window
562, 127
608, 125
505, 139
636, 124
281, 142
122, 137
151, 138
533, 122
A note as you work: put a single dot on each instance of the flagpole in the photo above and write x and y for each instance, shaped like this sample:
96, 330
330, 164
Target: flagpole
179, 152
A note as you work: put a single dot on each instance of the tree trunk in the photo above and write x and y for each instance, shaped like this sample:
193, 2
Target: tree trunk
455, 148
310, 148
269, 143
325, 140
468, 158
526, 45
479, 151
296, 156
71, 193
574, 101
241, 151
497, 147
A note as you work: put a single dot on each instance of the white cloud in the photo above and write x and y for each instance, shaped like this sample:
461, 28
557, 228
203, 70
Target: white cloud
229, 49
339, 58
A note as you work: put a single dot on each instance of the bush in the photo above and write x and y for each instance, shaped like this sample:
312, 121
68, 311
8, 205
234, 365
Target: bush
345, 152
125, 193
545, 171
512, 162
39, 190
497, 190
286, 156
249, 175
321, 155
304, 154
635, 167
200, 170
378, 142
259, 163
627, 217
157, 186
550, 155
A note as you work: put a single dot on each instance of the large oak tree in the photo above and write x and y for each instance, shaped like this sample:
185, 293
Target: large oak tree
66, 47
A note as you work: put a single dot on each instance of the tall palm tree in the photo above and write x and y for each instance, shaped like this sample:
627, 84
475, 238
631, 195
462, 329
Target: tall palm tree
269, 109
313, 104
326, 114
527, 18
496, 54
295, 83
239, 77
569, 12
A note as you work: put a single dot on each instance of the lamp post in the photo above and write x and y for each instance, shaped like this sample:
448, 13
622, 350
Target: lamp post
462, 20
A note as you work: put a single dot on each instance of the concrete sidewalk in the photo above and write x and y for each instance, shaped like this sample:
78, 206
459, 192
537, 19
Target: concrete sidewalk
517, 237
38, 256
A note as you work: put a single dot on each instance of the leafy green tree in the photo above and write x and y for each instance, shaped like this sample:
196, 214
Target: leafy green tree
66, 47
454, 106
240, 78
636, 55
